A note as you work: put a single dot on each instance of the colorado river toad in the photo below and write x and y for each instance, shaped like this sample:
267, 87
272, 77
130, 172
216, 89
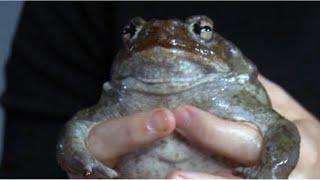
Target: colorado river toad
165, 63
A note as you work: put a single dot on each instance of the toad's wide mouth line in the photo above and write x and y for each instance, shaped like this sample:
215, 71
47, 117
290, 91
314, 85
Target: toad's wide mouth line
170, 86
168, 80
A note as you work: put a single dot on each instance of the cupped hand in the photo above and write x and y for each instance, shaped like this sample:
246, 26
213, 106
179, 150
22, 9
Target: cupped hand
243, 141
111, 139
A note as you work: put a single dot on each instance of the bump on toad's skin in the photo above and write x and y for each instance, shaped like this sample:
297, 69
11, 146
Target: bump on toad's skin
165, 63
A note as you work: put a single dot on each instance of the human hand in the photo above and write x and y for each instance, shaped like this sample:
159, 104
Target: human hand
142, 129
128, 134
207, 130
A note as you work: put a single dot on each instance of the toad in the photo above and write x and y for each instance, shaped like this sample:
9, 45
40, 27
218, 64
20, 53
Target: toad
166, 63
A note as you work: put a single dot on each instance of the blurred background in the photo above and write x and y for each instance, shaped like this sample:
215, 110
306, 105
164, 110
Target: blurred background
9, 16
62, 51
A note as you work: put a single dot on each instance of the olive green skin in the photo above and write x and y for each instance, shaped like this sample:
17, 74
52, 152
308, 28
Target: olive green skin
165, 64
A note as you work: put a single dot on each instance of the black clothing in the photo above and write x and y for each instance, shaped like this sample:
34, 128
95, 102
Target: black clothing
62, 52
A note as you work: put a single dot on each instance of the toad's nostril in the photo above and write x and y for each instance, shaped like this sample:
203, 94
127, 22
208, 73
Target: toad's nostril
157, 23
176, 22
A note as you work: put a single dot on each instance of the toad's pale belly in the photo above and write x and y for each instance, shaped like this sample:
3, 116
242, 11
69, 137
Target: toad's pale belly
167, 155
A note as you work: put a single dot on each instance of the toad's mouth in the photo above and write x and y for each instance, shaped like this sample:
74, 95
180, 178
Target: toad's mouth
175, 73
159, 70
165, 87
172, 72
172, 80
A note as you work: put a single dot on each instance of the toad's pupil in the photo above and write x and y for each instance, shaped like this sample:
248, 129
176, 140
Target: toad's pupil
198, 29
130, 29
206, 28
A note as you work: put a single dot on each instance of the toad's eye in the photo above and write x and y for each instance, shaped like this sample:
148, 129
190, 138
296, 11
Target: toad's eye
201, 29
204, 30
131, 30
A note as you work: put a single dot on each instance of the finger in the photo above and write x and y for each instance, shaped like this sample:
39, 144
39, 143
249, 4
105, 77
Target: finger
283, 103
275, 92
309, 160
111, 139
199, 175
234, 140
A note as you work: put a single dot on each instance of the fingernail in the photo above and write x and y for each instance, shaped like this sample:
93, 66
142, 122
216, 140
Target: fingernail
186, 176
158, 121
178, 177
182, 115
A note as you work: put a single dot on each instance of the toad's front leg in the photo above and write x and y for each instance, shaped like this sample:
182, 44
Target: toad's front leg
73, 155
280, 151
281, 139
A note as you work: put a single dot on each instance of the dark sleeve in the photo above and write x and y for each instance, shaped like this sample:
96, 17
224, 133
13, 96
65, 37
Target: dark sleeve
60, 58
